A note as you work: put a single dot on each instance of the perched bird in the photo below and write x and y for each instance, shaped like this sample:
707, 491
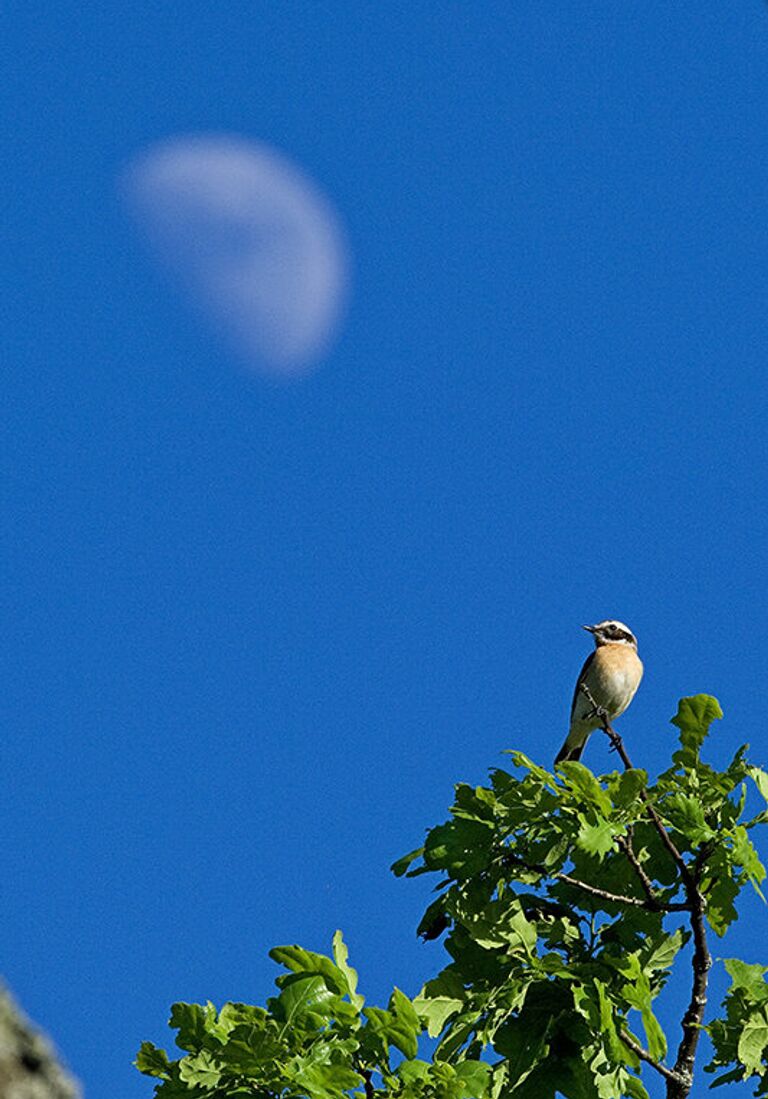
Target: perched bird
612, 674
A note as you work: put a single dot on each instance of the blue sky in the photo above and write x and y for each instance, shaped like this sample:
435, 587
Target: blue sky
253, 630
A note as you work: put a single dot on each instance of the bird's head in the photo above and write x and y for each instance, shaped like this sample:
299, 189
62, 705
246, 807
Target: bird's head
612, 632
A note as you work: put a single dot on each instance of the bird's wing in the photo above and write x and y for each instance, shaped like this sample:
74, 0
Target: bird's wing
578, 693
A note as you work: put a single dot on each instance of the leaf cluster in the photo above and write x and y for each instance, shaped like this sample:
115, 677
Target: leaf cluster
740, 1037
315, 1038
564, 900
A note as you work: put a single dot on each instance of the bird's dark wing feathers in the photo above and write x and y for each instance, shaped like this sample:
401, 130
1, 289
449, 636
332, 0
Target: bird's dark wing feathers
582, 673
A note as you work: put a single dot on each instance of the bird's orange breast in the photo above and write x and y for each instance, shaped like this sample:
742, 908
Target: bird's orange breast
616, 673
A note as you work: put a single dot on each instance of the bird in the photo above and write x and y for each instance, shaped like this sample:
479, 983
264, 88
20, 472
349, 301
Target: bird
611, 674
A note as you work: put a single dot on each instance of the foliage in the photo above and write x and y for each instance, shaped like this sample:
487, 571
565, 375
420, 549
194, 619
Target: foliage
315, 1038
741, 1037
565, 901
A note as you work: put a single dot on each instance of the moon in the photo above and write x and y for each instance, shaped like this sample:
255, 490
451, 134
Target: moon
250, 240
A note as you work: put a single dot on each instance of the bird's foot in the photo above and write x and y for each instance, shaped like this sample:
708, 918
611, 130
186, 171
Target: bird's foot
600, 714
614, 738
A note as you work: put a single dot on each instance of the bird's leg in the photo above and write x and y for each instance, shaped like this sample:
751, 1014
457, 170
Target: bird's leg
596, 711
603, 717
613, 736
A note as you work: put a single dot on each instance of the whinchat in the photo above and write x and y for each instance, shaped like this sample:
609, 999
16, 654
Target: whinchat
611, 674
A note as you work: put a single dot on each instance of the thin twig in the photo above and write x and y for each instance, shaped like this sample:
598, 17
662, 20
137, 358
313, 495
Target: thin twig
618, 745
625, 843
595, 891
644, 1055
604, 894
619, 898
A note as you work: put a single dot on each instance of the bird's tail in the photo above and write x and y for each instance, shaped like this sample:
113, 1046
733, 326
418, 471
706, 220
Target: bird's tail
569, 753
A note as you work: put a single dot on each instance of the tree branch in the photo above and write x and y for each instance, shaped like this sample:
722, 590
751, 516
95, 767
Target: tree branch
668, 1073
618, 898
595, 891
694, 1015
625, 843
370, 1090
680, 1079
617, 744
604, 894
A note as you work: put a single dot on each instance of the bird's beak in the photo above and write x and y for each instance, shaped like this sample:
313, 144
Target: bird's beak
589, 629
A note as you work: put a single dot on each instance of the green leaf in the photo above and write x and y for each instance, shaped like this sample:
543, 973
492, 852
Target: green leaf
655, 1038
745, 855
741, 1038
633, 1088
731, 1077
399, 1025
434, 921
500, 923
637, 992
414, 1071
580, 780
595, 838
686, 815
457, 1034
235, 1014
340, 956
662, 953
520, 759
152, 1061
252, 1051
407, 1025
460, 847
245, 1016
474, 1078
319, 1077
749, 979
175, 1088
626, 789
720, 890
200, 1068
474, 803
760, 779
305, 1000
402, 865
193, 1022
608, 1023
753, 1040
523, 1042
693, 718
436, 1010
302, 961
521, 931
